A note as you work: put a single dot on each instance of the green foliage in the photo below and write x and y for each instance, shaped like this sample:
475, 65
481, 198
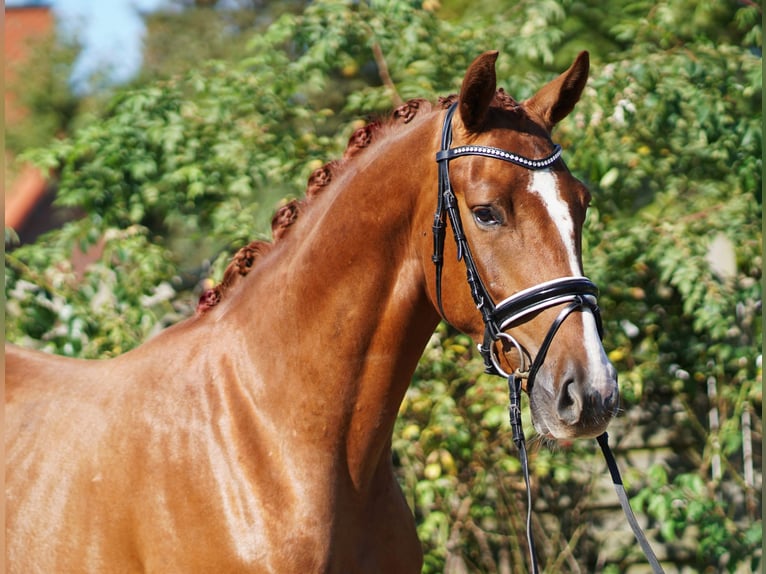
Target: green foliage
103, 313
668, 137
687, 502
40, 86
181, 34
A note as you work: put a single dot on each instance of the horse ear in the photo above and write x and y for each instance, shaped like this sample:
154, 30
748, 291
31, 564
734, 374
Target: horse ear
477, 91
553, 102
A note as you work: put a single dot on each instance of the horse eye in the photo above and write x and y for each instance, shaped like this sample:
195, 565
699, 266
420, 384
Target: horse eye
486, 216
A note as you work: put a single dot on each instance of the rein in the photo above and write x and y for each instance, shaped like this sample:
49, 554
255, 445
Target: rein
579, 293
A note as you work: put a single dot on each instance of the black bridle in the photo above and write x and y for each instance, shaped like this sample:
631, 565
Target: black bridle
578, 293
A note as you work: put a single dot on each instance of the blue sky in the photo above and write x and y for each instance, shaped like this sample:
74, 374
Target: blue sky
111, 31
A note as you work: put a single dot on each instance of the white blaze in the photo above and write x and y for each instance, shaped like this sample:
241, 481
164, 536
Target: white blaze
545, 185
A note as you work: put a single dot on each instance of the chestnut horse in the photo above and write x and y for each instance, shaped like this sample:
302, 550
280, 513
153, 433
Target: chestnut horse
255, 436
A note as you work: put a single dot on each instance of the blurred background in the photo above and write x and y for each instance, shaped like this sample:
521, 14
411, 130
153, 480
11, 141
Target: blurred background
147, 140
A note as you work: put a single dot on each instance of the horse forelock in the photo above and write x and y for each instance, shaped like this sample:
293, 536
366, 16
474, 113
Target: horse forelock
321, 178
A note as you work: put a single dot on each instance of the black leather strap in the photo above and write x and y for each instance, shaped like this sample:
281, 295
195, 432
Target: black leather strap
603, 442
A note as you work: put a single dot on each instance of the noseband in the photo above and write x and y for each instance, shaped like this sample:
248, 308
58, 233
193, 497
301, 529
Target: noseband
578, 293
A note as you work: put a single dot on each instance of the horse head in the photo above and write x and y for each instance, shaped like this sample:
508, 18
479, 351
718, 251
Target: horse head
518, 225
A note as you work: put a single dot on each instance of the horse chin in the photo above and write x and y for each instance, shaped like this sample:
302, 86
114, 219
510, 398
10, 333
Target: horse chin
542, 429
562, 432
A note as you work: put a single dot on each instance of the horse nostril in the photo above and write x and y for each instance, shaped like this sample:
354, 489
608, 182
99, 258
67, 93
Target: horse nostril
569, 402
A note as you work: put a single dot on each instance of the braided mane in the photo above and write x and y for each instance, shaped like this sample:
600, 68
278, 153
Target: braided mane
244, 260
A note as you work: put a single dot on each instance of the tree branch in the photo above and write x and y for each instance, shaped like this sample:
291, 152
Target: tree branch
380, 61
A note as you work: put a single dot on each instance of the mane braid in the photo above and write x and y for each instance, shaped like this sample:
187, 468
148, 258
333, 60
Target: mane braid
286, 215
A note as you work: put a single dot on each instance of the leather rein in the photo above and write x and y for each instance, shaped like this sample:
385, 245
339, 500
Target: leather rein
578, 293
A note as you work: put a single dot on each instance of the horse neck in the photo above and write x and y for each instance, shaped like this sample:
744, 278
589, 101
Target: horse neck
343, 301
